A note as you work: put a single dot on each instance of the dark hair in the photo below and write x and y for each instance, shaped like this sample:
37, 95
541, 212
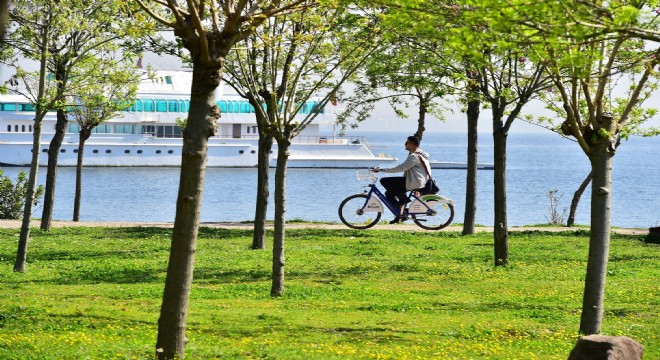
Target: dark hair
414, 140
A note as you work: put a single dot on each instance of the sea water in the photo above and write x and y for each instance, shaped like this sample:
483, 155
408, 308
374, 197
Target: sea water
537, 163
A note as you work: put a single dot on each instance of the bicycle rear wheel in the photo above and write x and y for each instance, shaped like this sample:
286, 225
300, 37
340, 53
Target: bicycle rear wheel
444, 214
352, 214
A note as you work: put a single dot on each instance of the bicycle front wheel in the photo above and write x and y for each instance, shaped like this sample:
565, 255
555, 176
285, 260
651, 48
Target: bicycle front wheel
444, 214
352, 214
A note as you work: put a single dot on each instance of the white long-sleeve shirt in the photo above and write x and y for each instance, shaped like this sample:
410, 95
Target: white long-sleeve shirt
413, 169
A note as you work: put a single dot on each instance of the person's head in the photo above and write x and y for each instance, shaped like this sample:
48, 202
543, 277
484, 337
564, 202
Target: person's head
412, 143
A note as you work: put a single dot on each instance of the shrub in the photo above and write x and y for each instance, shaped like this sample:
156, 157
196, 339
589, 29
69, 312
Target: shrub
12, 195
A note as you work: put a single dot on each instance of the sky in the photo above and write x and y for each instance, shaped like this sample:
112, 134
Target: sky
384, 119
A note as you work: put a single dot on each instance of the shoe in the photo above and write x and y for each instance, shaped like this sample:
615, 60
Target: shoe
399, 219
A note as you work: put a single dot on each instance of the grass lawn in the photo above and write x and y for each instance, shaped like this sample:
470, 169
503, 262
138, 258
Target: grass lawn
95, 293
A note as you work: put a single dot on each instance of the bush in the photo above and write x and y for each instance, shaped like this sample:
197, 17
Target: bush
12, 196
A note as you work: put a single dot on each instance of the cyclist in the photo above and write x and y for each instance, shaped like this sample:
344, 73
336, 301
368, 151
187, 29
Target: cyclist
416, 172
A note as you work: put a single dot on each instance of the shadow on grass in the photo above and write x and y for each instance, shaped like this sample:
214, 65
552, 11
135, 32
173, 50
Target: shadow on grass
110, 276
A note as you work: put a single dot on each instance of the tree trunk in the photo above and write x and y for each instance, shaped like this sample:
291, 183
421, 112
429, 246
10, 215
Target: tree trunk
599, 240
472, 157
21, 252
576, 200
501, 233
421, 121
202, 123
263, 172
53, 155
84, 135
277, 287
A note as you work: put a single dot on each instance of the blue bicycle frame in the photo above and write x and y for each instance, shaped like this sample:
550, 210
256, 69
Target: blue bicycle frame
421, 208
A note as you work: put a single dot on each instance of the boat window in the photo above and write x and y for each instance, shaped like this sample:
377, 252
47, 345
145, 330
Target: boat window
235, 107
240, 151
246, 108
170, 151
30, 128
137, 106
316, 108
8, 128
222, 105
157, 151
248, 129
16, 128
25, 107
182, 106
74, 128
9, 107
168, 80
149, 105
102, 129
254, 129
139, 151
62, 150
177, 131
161, 106
253, 152
172, 106
75, 151
187, 106
95, 151
127, 151
108, 151
44, 150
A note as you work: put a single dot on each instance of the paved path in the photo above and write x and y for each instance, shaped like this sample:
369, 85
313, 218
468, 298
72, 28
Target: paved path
16, 224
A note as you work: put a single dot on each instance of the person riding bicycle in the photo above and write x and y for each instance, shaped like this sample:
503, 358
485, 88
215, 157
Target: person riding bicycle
416, 172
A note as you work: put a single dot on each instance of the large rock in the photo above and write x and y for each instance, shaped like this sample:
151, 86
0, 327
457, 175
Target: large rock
601, 347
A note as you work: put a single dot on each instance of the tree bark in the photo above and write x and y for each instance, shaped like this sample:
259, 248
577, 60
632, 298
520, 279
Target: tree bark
21, 252
263, 172
501, 233
576, 200
421, 120
51, 172
472, 158
202, 123
84, 135
277, 287
599, 240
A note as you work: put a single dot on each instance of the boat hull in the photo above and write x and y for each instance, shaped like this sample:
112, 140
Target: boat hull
141, 151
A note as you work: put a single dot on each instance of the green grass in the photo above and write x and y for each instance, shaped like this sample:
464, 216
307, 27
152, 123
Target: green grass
95, 293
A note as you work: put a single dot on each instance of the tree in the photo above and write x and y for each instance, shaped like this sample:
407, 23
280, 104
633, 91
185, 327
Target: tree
306, 56
410, 67
247, 72
473, 100
208, 31
597, 118
508, 81
83, 31
100, 101
41, 17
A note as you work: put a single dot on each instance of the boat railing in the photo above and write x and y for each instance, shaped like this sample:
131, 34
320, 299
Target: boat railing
330, 140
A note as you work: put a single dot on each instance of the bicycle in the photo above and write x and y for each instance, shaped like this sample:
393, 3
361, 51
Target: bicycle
362, 211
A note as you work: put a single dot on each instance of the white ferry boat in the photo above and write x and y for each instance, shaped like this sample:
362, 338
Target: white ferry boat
147, 133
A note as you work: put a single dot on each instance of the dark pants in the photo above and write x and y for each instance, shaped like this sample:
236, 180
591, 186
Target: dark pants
395, 189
